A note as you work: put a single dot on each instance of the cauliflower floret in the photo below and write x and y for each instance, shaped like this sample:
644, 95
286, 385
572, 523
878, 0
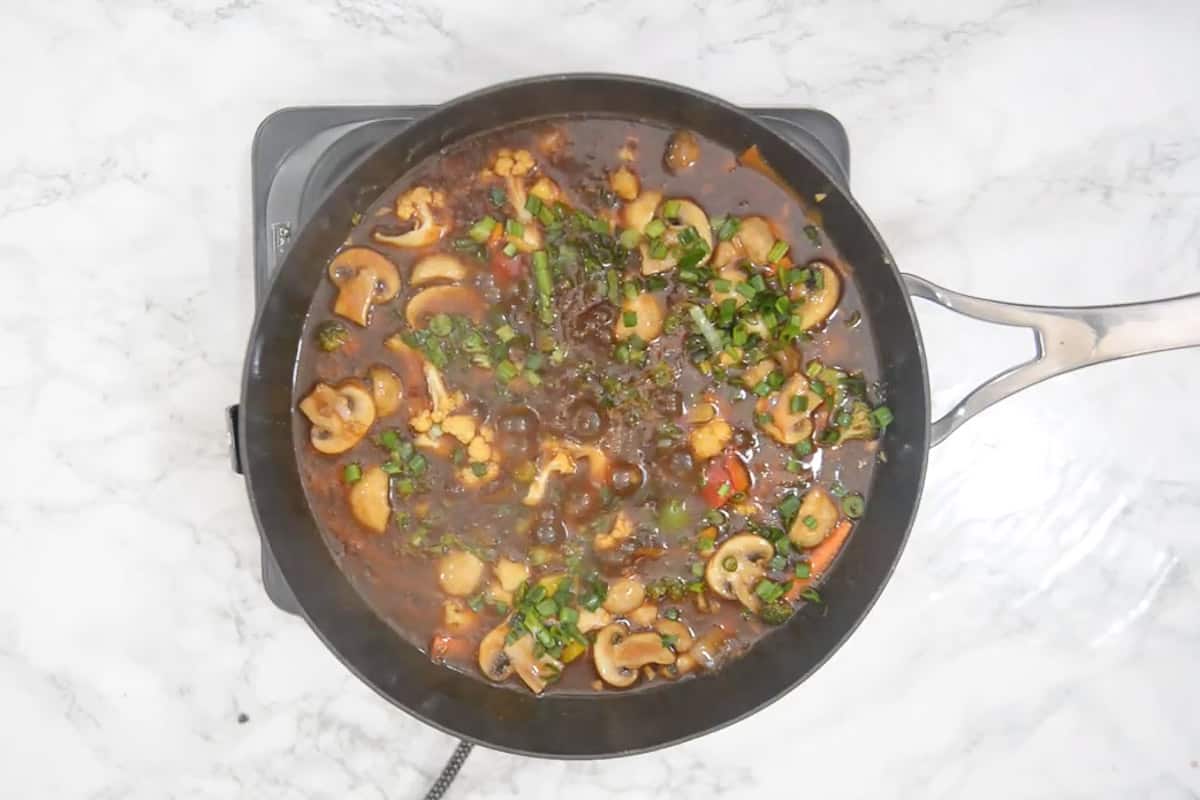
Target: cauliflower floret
785, 425
560, 463
484, 466
417, 202
710, 438
479, 450
512, 162
444, 402
461, 427
621, 529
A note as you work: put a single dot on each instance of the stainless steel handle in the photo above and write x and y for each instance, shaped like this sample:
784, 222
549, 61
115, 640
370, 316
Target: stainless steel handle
1064, 338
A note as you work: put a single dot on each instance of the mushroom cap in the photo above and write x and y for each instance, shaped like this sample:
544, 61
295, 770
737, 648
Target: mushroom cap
755, 237
386, 390
364, 278
340, 416
459, 572
439, 267
618, 655
494, 663
624, 595
462, 300
818, 505
638, 213
818, 303
748, 552
369, 500
682, 633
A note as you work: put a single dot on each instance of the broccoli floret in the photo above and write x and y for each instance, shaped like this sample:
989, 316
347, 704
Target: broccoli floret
862, 424
332, 335
776, 613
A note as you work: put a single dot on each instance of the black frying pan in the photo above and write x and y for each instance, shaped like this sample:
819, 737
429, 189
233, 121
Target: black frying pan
611, 723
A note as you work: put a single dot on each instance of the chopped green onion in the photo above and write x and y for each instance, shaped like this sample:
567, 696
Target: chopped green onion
547, 608
746, 290
698, 569
671, 613
729, 564
613, 279
629, 319
514, 229
728, 228
777, 251
812, 596
706, 328
509, 249
479, 469
762, 389
794, 466
390, 439
883, 416
798, 404
819, 279
630, 290
533, 204
788, 507
803, 570
670, 209
506, 370
352, 473
658, 250
417, 464
545, 216
853, 505
441, 325
769, 591
482, 229
814, 235
498, 196
630, 238
406, 486
533, 378
724, 489
810, 522
505, 332
722, 285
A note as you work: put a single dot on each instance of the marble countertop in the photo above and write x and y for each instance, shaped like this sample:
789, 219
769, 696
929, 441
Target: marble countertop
1040, 637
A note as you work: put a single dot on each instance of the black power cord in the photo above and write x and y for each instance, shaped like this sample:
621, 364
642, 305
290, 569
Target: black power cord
442, 784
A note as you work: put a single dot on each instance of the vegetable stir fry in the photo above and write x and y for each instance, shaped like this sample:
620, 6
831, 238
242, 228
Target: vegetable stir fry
587, 405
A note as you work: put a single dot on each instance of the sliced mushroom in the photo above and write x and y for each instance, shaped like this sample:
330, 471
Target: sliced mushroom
624, 595
619, 655
624, 183
734, 276
681, 634
462, 300
459, 573
364, 278
706, 651
411, 368
725, 254
785, 425
592, 620
419, 203
758, 373
643, 616
737, 566
536, 671
340, 416
639, 213
689, 215
369, 499
755, 237
648, 314
815, 518
683, 151
820, 294
494, 663
386, 390
439, 267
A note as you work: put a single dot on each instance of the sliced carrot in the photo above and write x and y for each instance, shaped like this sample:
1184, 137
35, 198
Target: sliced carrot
821, 557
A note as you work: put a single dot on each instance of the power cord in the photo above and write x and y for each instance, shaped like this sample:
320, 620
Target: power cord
442, 784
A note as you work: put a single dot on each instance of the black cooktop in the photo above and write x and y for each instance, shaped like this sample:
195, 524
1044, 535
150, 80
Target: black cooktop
300, 154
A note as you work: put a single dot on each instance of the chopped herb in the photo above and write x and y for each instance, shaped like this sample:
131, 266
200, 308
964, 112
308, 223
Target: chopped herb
769, 591
352, 473
505, 333
533, 204
814, 235
476, 603
514, 229
482, 229
883, 417
729, 564
798, 403
670, 209
441, 325
809, 522
671, 613
509, 249
724, 489
853, 505
803, 570
506, 370
629, 319
654, 228
722, 285
658, 250
728, 228
803, 448
498, 198
777, 251
332, 335
812, 595
788, 507
630, 238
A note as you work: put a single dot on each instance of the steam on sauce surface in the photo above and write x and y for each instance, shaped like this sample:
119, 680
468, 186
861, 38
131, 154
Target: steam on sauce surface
586, 405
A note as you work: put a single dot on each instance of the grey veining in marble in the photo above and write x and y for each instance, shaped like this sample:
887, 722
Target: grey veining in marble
1040, 638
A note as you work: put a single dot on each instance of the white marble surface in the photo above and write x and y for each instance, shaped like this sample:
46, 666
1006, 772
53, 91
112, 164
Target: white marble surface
1040, 638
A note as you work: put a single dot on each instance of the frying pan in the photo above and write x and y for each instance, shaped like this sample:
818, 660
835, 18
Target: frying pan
613, 723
